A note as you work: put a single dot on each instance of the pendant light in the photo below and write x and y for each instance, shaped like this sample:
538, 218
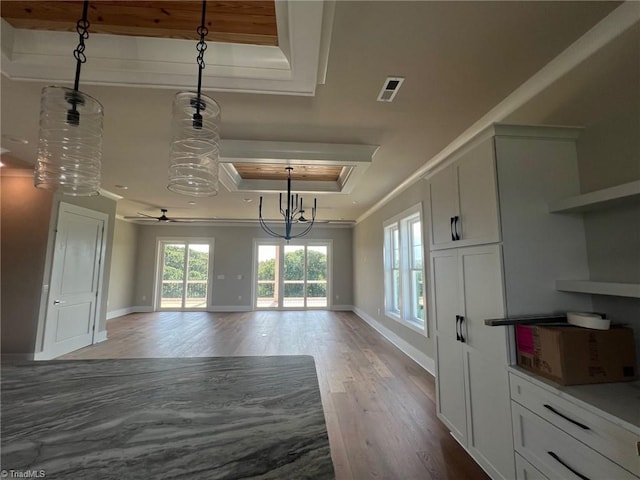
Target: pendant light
293, 213
70, 142
193, 161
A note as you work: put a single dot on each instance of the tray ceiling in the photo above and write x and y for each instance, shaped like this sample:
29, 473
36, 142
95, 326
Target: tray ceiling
239, 21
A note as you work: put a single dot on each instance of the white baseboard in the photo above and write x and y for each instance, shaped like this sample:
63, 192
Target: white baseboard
230, 308
101, 336
142, 309
126, 311
342, 308
119, 313
412, 352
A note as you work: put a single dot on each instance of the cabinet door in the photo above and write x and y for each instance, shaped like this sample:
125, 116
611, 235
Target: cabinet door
483, 298
445, 291
450, 387
489, 428
478, 199
443, 192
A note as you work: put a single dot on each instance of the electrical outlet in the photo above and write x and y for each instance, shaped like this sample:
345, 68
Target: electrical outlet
239, 297
144, 297
378, 312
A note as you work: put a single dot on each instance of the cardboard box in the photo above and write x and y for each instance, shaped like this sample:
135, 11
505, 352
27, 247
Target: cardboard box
572, 355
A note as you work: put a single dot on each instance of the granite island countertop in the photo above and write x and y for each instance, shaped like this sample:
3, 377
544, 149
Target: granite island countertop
196, 418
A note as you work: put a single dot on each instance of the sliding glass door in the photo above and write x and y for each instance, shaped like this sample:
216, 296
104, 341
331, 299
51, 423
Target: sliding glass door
184, 268
292, 276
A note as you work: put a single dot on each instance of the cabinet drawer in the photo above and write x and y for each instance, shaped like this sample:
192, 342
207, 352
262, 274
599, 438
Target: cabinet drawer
612, 441
526, 471
556, 454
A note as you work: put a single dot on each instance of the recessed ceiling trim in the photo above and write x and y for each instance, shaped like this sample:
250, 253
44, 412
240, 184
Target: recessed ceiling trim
354, 160
168, 63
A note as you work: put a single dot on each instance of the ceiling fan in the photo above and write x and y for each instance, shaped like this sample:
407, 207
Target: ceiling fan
162, 218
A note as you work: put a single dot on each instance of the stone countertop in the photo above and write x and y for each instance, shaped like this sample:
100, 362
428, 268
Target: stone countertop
196, 418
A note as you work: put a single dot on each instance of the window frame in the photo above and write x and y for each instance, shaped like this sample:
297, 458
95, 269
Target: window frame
280, 245
409, 265
157, 277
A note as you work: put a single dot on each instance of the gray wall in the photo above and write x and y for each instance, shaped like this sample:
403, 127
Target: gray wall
233, 256
368, 239
24, 224
608, 155
28, 220
122, 282
98, 204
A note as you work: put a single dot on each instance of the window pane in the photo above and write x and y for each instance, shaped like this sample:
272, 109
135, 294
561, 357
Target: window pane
317, 276
172, 276
293, 262
317, 263
395, 261
268, 264
417, 294
198, 269
416, 244
395, 300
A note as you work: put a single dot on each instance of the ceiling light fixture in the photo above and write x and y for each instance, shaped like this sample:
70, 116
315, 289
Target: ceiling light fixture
193, 161
70, 141
292, 213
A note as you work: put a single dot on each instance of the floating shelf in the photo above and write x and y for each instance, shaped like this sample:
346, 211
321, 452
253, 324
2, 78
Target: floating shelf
599, 288
625, 193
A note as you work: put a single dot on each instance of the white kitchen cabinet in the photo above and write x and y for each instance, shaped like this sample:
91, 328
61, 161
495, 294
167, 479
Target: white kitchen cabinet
510, 253
463, 200
472, 357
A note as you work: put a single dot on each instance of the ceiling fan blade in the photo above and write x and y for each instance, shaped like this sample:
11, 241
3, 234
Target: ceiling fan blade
137, 217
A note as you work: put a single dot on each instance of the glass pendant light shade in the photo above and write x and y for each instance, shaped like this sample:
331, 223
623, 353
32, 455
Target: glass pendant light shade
193, 162
70, 144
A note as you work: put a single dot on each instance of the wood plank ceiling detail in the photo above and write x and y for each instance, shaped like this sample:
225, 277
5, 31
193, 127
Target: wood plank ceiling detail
232, 21
321, 173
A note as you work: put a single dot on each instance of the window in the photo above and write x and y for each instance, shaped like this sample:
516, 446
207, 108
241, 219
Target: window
184, 273
292, 275
404, 268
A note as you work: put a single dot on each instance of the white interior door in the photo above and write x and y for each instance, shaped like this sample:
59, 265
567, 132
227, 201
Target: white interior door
75, 280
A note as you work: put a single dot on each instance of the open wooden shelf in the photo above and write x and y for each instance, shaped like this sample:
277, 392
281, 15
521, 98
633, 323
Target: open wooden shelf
620, 194
599, 288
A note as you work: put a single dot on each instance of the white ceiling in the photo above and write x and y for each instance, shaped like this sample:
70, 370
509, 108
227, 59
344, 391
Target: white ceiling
459, 60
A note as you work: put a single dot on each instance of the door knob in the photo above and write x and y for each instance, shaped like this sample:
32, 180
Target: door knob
58, 302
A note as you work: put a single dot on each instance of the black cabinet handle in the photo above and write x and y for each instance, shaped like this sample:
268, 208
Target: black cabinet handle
557, 459
456, 219
581, 425
453, 235
457, 334
462, 339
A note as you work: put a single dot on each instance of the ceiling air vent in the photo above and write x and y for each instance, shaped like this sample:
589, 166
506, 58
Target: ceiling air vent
390, 88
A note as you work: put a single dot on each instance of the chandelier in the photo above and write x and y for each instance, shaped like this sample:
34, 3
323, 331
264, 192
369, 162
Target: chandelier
70, 139
193, 160
293, 213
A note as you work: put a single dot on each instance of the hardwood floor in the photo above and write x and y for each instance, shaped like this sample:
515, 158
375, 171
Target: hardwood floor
379, 405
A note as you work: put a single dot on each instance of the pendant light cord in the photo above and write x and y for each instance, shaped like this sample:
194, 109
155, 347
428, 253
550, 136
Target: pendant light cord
82, 27
74, 98
201, 46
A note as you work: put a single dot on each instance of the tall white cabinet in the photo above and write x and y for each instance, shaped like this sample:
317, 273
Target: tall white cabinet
495, 252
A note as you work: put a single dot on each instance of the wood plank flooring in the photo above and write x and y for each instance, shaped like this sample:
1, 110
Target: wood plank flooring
379, 404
